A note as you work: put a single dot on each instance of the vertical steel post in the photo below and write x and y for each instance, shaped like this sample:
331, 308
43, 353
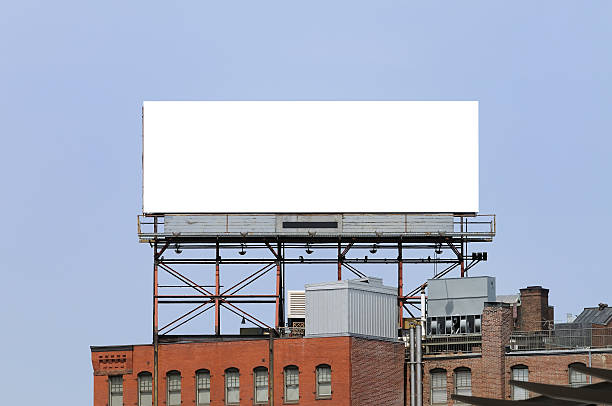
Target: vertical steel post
277, 320
400, 285
412, 377
339, 260
217, 292
281, 249
462, 254
419, 367
155, 319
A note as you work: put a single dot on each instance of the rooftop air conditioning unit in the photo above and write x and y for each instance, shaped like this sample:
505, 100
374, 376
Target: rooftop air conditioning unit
296, 304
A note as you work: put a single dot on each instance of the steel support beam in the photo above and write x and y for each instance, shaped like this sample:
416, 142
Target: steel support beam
217, 292
400, 284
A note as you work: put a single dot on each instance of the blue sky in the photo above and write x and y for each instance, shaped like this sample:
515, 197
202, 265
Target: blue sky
73, 75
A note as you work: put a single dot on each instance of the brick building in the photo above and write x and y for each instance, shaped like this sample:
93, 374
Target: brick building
541, 353
351, 370
234, 370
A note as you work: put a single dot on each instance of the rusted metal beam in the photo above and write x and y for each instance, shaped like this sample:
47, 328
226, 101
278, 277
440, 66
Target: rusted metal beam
277, 313
242, 313
253, 275
217, 291
191, 318
400, 284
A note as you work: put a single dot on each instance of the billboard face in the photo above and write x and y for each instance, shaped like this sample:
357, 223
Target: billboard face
310, 157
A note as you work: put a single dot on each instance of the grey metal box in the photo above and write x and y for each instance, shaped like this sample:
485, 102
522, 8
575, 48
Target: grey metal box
459, 296
362, 307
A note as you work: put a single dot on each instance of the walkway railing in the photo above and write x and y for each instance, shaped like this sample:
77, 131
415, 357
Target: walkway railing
561, 339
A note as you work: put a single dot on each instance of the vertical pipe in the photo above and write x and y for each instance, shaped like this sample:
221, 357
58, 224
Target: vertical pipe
419, 368
217, 292
339, 260
423, 312
412, 377
271, 369
590, 360
400, 285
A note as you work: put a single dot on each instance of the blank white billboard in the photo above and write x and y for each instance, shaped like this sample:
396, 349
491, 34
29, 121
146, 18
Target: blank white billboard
310, 157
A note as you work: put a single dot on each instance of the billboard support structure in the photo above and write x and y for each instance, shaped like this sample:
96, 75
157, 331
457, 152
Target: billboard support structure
197, 248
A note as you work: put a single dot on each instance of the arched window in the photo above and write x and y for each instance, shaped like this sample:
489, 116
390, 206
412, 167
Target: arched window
520, 373
173, 384
576, 378
260, 379
115, 387
145, 389
202, 387
292, 384
463, 382
438, 386
324, 382
232, 386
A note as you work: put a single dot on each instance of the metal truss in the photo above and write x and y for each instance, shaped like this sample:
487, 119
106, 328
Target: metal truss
194, 250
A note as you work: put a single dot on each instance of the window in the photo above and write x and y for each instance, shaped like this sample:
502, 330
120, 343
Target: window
260, 375
577, 378
232, 386
463, 382
520, 373
438, 386
324, 382
292, 384
203, 387
115, 384
173, 381
145, 389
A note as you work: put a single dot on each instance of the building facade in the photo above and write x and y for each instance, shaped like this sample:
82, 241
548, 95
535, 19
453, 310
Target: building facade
353, 370
485, 366
248, 371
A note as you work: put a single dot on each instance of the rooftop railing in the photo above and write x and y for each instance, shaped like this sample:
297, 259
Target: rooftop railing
561, 339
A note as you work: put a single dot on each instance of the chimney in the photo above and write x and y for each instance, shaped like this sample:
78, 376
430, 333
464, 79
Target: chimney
534, 313
496, 330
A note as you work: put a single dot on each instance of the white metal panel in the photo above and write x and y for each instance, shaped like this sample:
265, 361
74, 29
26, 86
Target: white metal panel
296, 304
353, 307
285, 157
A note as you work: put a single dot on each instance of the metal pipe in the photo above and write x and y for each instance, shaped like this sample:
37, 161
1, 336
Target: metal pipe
590, 360
412, 377
271, 368
419, 367
400, 285
339, 261
423, 313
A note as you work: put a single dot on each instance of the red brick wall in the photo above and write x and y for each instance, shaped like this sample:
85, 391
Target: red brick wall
553, 369
377, 370
496, 329
450, 365
247, 355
